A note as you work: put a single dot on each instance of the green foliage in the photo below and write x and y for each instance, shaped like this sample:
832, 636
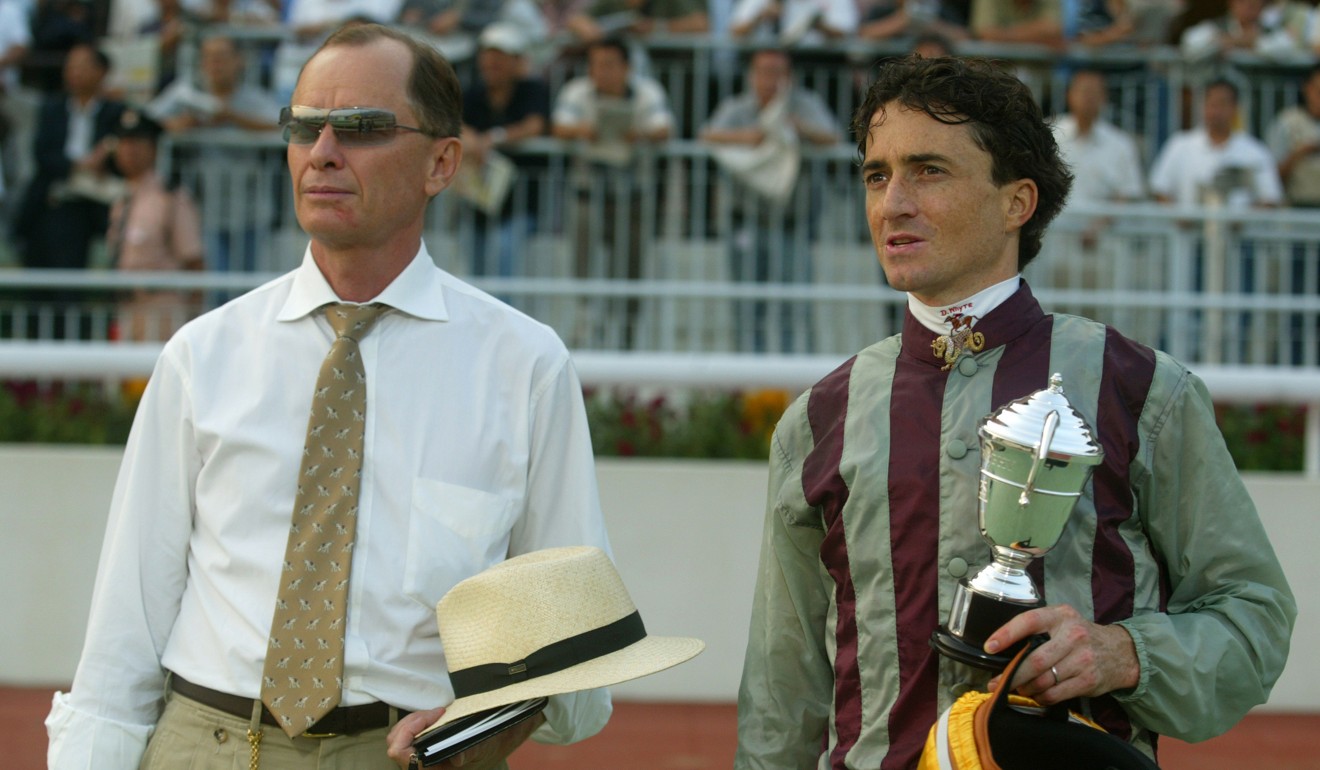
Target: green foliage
705, 425
697, 424
63, 413
1264, 437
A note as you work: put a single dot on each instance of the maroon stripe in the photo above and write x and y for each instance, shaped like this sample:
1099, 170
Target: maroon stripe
824, 487
916, 406
1023, 370
1129, 369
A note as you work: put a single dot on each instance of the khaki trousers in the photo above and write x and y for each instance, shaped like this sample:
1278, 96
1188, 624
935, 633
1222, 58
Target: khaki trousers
196, 737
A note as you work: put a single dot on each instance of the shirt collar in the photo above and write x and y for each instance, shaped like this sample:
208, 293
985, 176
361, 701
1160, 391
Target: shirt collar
92, 106
1009, 320
978, 305
417, 291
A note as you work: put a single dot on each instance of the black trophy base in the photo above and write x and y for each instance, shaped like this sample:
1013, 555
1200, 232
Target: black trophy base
950, 646
985, 615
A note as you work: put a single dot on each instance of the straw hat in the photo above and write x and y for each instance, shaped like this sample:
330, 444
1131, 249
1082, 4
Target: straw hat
547, 622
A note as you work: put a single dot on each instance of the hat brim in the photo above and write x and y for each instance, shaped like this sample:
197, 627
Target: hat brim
642, 658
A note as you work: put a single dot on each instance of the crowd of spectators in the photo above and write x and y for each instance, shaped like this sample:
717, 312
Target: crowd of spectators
60, 108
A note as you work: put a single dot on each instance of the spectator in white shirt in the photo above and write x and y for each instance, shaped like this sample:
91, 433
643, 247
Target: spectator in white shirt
1294, 138
612, 116
220, 98
1247, 28
1106, 168
1104, 159
793, 21
1215, 161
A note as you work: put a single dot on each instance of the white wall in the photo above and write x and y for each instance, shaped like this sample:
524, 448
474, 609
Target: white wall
685, 535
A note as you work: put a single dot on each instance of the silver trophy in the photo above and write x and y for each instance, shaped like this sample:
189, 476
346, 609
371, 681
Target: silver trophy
1036, 455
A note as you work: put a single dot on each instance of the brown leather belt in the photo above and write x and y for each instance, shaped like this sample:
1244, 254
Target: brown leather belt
342, 720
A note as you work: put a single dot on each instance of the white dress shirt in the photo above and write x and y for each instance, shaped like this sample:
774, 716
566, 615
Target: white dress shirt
795, 16
645, 108
82, 129
1189, 161
1293, 128
477, 449
1105, 163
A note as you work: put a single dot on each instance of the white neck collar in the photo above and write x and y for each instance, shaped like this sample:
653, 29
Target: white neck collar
976, 306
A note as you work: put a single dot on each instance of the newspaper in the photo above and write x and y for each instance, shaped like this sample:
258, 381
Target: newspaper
770, 168
614, 123
487, 185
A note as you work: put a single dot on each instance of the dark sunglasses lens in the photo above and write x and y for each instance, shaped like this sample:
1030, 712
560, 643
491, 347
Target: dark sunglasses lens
301, 132
363, 128
352, 127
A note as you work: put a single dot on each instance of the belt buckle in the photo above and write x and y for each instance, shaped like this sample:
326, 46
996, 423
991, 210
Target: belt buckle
310, 734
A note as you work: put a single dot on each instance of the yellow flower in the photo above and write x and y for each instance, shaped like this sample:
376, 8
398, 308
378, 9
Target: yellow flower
132, 389
761, 410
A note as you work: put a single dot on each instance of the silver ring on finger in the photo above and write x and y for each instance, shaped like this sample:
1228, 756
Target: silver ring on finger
1054, 670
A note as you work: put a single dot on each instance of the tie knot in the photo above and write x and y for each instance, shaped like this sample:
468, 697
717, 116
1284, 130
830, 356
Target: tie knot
353, 321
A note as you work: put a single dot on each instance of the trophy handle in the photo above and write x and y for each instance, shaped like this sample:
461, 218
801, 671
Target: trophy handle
1042, 452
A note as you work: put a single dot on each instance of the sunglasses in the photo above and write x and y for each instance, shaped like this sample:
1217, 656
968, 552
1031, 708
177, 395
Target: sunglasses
354, 126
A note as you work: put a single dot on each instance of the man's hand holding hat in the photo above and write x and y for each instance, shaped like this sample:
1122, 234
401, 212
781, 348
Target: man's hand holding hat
545, 623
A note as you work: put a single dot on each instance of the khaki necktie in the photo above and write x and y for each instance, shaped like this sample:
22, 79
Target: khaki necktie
303, 674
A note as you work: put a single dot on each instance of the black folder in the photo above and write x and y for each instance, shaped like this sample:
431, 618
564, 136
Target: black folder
437, 744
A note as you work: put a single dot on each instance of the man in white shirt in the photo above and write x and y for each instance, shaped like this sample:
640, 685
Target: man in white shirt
222, 100
1104, 159
1216, 162
1106, 168
1294, 138
756, 136
1248, 26
810, 22
612, 116
474, 448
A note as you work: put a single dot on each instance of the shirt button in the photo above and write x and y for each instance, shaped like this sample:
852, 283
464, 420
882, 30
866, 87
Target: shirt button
957, 566
957, 449
967, 366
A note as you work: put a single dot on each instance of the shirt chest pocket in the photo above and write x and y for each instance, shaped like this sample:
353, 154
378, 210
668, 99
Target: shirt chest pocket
454, 532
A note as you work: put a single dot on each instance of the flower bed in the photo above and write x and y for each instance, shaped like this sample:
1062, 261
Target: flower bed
624, 423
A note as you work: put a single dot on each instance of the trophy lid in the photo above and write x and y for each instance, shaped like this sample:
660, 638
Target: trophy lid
1022, 422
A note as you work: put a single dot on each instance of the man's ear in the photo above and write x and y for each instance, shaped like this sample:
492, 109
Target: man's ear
445, 160
1020, 199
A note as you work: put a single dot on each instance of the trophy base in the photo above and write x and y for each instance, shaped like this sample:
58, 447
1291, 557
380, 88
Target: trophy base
976, 617
950, 646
